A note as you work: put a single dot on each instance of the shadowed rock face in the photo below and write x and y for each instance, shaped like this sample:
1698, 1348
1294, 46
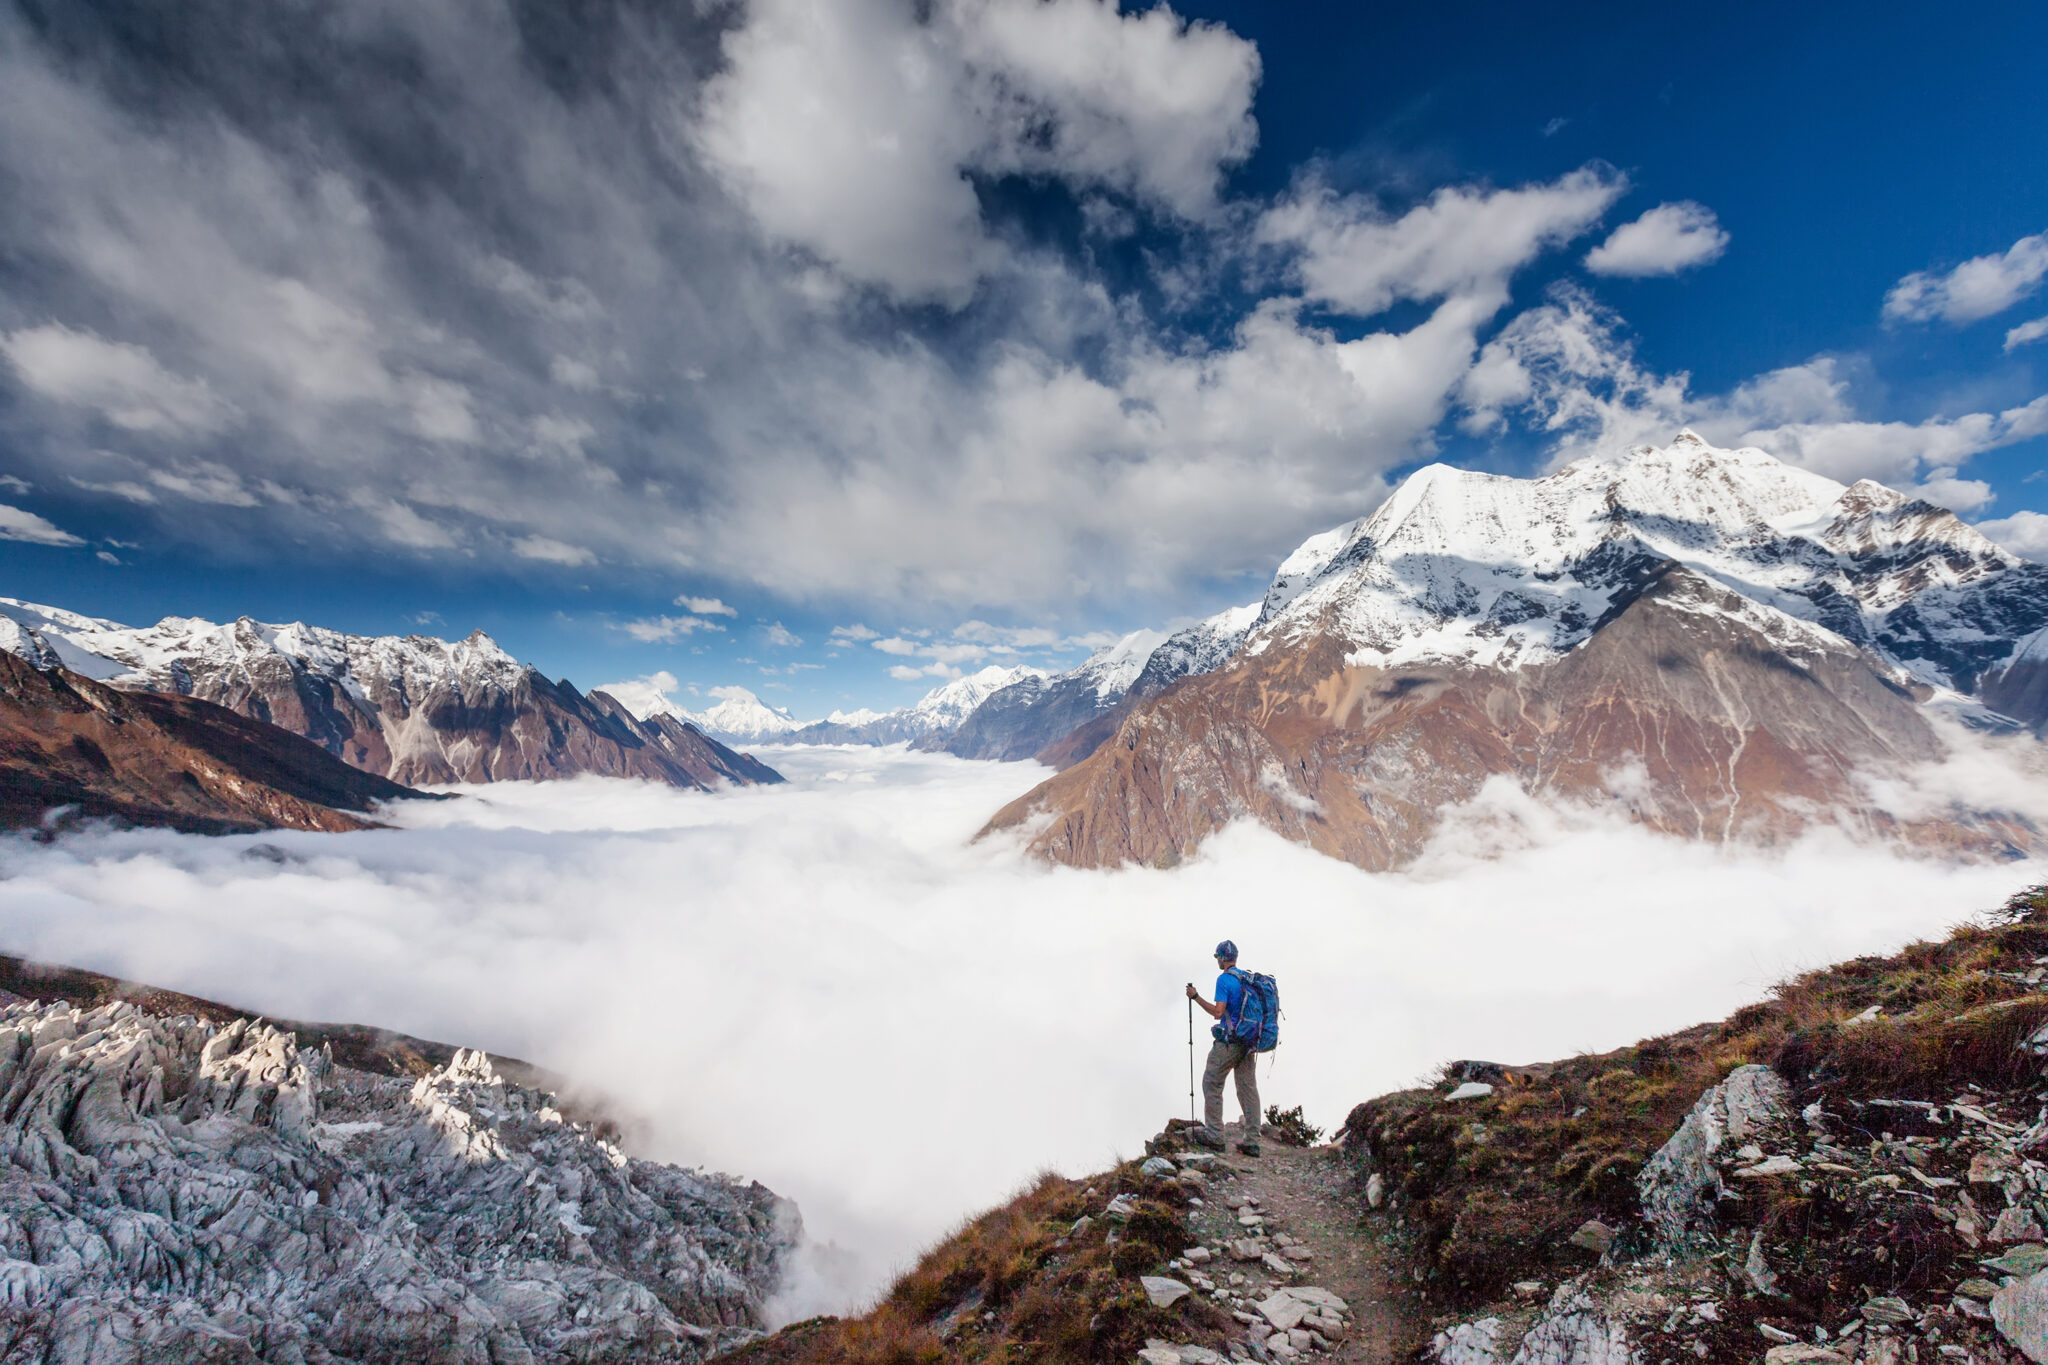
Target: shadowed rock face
69, 741
176, 1190
2020, 687
1704, 720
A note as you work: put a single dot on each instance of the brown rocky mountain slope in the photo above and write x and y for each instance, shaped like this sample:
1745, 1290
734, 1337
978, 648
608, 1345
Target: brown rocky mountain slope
1705, 720
66, 741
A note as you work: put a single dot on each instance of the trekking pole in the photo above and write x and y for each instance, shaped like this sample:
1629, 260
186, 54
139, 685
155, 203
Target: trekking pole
1191, 1063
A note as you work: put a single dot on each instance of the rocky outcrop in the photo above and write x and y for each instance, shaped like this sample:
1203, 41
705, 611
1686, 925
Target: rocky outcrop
75, 747
412, 708
1680, 1186
177, 1190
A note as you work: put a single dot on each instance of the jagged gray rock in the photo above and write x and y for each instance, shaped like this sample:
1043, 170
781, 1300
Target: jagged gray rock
176, 1191
1678, 1185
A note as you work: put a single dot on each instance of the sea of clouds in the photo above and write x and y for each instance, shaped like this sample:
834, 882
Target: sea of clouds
828, 986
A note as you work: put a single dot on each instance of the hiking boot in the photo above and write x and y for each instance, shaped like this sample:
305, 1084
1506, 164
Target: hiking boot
1250, 1146
1206, 1137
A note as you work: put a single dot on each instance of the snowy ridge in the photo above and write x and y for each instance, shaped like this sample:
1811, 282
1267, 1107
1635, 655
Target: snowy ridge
1485, 570
413, 708
168, 656
1112, 669
945, 707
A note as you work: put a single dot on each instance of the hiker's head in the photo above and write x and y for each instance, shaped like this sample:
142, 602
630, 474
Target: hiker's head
1226, 954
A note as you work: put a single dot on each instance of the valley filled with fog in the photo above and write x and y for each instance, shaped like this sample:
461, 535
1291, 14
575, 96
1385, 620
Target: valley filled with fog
829, 987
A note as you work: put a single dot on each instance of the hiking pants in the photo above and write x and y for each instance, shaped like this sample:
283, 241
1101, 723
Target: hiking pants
1224, 1058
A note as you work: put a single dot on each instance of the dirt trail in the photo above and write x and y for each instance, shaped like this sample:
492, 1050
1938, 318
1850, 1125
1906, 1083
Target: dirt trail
1306, 1194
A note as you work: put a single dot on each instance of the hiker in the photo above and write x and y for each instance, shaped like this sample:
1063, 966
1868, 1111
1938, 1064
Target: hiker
1226, 1055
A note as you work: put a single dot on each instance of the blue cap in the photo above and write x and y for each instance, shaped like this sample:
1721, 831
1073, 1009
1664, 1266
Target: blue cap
1227, 951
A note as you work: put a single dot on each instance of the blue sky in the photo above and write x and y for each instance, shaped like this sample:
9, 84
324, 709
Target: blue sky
1015, 326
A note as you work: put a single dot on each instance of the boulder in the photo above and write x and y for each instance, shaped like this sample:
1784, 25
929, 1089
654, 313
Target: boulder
1158, 1168
1799, 1353
2016, 1224
1162, 1291
1594, 1236
1375, 1190
1470, 1090
1680, 1184
1468, 1343
2020, 1312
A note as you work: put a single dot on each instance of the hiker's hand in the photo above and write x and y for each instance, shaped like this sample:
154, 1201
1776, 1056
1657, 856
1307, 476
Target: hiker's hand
1193, 994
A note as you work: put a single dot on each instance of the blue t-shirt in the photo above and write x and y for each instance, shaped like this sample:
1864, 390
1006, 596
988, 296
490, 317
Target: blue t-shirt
1230, 995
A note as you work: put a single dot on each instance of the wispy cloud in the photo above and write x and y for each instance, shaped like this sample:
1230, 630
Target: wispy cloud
705, 606
666, 629
20, 524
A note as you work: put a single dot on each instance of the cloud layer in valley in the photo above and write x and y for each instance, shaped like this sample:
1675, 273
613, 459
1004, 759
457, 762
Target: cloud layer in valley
827, 987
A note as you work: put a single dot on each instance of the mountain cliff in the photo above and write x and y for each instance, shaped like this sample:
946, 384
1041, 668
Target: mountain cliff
1720, 644
412, 708
73, 745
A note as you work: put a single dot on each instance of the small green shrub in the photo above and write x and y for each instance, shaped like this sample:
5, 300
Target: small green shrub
1288, 1125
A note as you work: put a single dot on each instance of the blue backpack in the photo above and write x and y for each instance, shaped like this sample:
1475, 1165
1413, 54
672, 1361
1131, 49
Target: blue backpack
1258, 1020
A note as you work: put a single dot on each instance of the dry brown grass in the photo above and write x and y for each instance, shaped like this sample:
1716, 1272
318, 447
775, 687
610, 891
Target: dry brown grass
1491, 1190
1014, 1285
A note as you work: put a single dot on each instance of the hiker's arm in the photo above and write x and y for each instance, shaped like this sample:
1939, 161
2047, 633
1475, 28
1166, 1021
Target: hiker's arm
1213, 1011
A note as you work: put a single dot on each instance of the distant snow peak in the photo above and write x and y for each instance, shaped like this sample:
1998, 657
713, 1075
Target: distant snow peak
744, 717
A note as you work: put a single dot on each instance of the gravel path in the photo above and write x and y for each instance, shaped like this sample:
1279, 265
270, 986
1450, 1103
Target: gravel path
1306, 1195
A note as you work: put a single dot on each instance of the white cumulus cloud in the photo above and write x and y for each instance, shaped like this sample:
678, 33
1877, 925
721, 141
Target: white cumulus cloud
1977, 288
2024, 533
1460, 241
1664, 241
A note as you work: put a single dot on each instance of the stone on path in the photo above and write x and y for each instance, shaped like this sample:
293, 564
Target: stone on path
1163, 1292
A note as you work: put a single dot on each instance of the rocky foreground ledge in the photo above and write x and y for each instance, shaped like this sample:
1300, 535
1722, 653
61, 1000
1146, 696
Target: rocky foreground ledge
180, 1189
1853, 1171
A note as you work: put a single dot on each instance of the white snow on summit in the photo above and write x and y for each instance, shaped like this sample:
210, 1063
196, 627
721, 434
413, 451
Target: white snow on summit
178, 650
1488, 570
744, 717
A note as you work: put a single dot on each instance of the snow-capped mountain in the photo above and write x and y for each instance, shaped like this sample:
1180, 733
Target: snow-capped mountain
1059, 718
1741, 638
743, 718
413, 708
1461, 567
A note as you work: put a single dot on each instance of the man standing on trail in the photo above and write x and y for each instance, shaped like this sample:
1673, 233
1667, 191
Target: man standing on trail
1226, 1055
